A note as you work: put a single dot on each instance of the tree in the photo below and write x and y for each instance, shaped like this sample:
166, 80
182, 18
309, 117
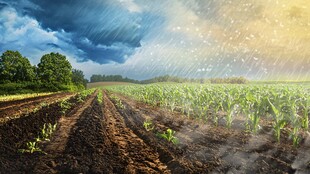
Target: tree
15, 68
78, 78
55, 69
96, 78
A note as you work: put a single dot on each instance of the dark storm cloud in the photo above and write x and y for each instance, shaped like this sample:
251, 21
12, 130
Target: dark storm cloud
103, 23
2, 5
100, 21
53, 45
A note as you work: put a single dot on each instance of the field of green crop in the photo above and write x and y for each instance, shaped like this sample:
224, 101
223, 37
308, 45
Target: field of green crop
284, 105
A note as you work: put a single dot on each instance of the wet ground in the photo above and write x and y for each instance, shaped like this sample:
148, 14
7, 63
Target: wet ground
95, 137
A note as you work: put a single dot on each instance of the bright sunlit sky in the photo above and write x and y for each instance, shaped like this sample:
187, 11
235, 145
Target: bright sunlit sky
140, 39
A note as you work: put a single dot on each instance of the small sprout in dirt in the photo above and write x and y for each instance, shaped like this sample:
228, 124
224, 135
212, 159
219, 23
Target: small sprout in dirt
44, 133
294, 135
65, 105
148, 125
38, 139
43, 104
47, 131
80, 99
169, 136
31, 148
35, 110
118, 102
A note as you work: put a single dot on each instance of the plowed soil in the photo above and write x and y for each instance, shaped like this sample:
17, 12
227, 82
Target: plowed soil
105, 138
11, 109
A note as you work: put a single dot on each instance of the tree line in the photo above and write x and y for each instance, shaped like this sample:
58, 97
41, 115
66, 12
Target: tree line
53, 73
168, 78
109, 78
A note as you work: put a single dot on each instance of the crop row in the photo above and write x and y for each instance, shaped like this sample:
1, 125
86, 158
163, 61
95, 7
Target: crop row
286, 106
22, 96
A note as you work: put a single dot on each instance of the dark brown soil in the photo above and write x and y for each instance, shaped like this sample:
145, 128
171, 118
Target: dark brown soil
105, 138
13, 108
15, 133
100, 142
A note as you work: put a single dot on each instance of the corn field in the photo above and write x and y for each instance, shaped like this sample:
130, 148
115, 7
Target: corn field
286, 106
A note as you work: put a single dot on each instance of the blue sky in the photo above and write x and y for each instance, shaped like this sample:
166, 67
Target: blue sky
143, 38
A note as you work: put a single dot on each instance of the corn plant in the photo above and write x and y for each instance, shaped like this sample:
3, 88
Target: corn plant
44, 133
80, 99
295, 136
216, 105
169, 136
118, 102
295, 122
261, 106
31, 148
47, 131
43, 104
245, 109
148, 125
64, 105
100, 97
279, 121
229, 108
305, 117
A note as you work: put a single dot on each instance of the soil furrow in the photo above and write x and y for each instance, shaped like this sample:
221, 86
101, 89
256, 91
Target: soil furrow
168, 152
28, 106
65, 124
141, 158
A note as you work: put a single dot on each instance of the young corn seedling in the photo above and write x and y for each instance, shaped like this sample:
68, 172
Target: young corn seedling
260, 105
229, 107
305, 117
65, 105
43, 104
296, 122
148, 125
172, 106
47, 131
31, 148
169, 136
295, 136
118, 102
44, 133
279, 121
217, 106
246, 104
51, 128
